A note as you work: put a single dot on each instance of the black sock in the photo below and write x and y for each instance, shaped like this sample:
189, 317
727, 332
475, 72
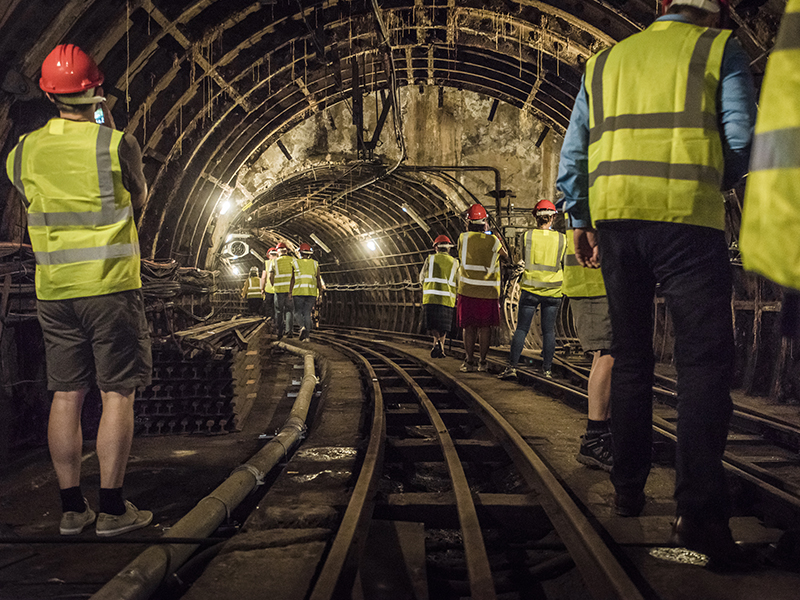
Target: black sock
72, 500
596, 428
111, 501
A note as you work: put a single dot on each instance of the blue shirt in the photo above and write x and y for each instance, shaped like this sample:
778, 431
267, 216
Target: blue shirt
737, 110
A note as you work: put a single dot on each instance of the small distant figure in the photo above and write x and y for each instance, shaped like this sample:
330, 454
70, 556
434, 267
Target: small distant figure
281, 277
541, 285
251, 291
439, 279
307, 285
267, 289
478, 299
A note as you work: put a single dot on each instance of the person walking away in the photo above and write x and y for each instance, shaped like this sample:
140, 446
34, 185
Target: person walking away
587, 299
770, 215
477, 301
81, 183
661, 123
439, 277
307, 285
540, 285
281, 277
267, 289
251, 291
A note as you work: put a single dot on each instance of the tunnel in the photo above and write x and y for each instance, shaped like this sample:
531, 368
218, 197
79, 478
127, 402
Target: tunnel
363, 127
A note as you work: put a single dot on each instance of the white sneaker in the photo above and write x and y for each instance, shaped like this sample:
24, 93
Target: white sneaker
72, 523
509, 373
483, 366
467, 367
133, 518
548, 374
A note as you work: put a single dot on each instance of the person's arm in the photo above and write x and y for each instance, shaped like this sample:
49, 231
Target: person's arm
272, 273
130, 158
573, 166
244, 289
320, 287
263, 280
737, 109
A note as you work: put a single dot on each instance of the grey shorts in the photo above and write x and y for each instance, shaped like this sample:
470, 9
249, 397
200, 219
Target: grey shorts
592, 322
98, 338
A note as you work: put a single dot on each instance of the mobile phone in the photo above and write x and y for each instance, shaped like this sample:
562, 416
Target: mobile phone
98, 116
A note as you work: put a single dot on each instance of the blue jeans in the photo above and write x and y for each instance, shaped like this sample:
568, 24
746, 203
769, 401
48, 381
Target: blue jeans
527, 308
283, 314
302, 312
691, 265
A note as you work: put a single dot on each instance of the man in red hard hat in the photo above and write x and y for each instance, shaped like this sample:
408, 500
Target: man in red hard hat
282, 277
662, 123
81, 183
477, 302
439, 279
306, 289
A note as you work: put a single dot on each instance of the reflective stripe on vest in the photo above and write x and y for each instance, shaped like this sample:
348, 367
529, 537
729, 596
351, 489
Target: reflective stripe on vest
305, 280
80, 217
254, 287
655, 151
580, 282
479, 271
439, 281
771, 220
268, 289
544, 255
283, 267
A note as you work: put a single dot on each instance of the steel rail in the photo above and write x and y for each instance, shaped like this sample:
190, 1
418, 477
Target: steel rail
604, 576
478, 567
339, 571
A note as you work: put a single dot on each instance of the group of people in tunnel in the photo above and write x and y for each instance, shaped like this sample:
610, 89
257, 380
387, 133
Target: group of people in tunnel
647, 154
286, 290
662, 122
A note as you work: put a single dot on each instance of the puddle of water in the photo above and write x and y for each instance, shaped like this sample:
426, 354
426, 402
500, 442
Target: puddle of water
680, 555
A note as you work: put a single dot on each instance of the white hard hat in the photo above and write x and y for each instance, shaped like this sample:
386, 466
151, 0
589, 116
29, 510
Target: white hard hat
712, 6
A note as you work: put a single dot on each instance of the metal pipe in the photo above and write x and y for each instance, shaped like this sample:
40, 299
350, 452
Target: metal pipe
142, 576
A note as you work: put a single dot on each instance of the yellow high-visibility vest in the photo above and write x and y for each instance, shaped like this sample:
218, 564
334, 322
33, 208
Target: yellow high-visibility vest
305, 280
479, 269
771, 220
254, 287
268, 289
655, 151
544, 258
439, 279
580, 282
80, 217
283, 267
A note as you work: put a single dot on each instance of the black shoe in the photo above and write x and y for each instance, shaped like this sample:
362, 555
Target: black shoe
436, 351
629, 505
715, 541
595, 452
441, 350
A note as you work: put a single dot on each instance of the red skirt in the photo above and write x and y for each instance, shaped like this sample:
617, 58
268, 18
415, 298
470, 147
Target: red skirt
477, 312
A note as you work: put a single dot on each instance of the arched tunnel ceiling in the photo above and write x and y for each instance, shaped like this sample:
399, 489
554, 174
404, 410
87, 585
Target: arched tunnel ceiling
211, 87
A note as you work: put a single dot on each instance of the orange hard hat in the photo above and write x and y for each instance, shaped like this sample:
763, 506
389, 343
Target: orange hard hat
442, 239
544, 207
69, 70
476, 213
305, 247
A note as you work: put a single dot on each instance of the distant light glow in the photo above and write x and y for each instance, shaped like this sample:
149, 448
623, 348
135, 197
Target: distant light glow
405, 210
226, 206
372, 245
235, 270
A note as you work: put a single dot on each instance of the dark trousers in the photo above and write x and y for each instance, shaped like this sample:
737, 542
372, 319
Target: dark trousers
691, 266
284, 308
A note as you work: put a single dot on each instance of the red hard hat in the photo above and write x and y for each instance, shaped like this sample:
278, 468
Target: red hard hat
281, 245
442, 239
545, 207
305, 247
272, 251
69, 70
476, 213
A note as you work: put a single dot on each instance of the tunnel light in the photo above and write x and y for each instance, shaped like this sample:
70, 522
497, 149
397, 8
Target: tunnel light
413, 214
235, 270
226, 206
372, 245
320, 243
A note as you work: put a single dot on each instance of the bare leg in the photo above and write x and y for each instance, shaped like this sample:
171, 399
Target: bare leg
485, 336
114, 437
65, 437
470, 333
599, 387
